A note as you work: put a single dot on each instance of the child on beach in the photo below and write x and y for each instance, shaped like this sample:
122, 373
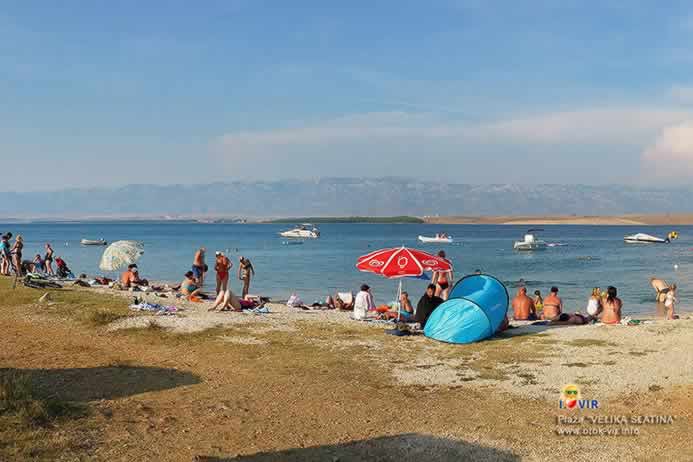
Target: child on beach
670, 303
538, 302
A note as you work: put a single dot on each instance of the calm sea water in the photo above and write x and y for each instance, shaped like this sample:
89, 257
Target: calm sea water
591, 256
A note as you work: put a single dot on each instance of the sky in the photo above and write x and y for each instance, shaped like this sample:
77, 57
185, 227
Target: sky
106, 93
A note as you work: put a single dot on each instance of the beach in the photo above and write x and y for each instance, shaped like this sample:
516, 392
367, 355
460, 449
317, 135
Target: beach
674, 219
297, 385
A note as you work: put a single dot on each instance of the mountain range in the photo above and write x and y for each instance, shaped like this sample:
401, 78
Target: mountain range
343, 197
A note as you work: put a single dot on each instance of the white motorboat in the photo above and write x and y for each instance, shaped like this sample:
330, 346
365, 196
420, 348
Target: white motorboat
530, 242
642, 238
93, 242
303, 231
436, 240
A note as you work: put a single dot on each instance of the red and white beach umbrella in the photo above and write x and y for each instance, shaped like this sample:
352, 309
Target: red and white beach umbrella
400, 262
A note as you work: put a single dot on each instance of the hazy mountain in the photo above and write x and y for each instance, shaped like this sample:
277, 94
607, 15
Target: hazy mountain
344, 196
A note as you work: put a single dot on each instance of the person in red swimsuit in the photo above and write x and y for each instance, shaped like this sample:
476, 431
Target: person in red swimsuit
222, 265
442, 280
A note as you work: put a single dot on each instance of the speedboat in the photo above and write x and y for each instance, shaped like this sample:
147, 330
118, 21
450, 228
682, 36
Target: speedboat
436, 240
642, 238
93, 242
303, 231
530, 242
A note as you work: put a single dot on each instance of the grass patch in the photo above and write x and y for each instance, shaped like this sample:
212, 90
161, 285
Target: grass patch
82, 305
17, 400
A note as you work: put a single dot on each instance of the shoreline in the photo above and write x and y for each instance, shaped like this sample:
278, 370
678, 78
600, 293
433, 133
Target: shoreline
673, 219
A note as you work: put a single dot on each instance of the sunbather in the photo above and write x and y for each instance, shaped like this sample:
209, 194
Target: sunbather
406, 310
63, 270
225, 301
611, 313
344, 301
189, 287
131, 277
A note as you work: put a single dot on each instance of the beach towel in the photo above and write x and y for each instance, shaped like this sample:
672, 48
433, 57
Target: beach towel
346, 297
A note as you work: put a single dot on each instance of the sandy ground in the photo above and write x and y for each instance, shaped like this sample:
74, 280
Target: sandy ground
609, 358
304, 385
672, 219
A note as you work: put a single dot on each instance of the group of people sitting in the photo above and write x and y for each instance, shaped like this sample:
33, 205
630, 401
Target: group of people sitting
603, 306
364, 305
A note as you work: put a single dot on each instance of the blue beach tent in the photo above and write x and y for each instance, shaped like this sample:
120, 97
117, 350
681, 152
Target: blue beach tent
475, 309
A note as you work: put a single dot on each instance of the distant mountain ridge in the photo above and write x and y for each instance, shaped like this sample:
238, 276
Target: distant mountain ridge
344, 197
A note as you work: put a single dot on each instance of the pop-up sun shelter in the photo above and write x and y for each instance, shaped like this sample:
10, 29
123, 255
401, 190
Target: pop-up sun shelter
474, 310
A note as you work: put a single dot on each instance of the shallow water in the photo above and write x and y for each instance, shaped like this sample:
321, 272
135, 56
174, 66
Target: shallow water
592, 256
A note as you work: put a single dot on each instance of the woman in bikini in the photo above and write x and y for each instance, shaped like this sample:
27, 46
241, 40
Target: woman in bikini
189, 285
442, 280
17, 254
48, 259
553, 306
611, 311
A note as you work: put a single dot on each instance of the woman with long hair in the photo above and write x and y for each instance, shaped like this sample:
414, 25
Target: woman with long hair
442, 280
611, 311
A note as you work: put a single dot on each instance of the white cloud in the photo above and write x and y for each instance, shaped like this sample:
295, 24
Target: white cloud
621, 126
671, 156
682, 94
566, 144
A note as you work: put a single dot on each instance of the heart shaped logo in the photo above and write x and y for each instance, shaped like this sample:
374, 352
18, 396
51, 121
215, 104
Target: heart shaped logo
571, 403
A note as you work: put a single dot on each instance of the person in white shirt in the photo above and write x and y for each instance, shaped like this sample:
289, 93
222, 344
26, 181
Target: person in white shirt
670, 303
364, 303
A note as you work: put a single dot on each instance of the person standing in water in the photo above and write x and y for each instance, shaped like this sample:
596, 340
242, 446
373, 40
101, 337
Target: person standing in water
48, 259
199, 266
442, 280
245, 273
222, 265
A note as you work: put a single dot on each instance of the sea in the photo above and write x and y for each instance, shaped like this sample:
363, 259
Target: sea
582, 257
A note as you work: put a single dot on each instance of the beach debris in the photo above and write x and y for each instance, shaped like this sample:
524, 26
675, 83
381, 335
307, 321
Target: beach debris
45, 298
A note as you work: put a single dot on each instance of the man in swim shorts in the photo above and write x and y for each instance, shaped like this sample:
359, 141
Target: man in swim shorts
523, 306
198, 266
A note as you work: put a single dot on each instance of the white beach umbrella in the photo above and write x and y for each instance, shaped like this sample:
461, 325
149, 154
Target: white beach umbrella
121, 254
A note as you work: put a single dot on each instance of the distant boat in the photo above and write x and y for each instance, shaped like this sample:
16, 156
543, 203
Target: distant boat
293, 242
303, 231
93, 242
436, 240
642, 238
530, 242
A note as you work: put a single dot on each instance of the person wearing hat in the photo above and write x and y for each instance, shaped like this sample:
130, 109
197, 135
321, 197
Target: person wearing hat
131, 278
222, 265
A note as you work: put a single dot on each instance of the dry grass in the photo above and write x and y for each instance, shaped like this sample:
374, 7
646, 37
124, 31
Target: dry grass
70, 302
18, 400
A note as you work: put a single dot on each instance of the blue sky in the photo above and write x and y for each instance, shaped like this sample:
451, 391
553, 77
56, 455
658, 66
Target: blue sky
108, 93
